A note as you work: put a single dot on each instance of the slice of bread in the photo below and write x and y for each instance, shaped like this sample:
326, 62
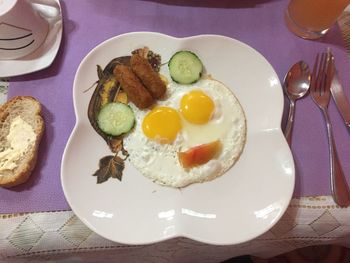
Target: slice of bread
29, 110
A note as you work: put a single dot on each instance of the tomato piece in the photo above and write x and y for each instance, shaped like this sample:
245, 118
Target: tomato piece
200, 154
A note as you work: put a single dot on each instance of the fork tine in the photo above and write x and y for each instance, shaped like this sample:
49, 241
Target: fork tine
321, 75
330, 69
314, 75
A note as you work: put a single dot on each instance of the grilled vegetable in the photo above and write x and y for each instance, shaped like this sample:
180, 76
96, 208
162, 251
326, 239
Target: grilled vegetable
106, 91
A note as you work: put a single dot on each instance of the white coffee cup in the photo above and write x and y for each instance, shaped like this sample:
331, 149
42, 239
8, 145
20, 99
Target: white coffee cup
24, 26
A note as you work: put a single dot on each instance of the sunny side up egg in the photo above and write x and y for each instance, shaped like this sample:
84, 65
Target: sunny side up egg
188, 116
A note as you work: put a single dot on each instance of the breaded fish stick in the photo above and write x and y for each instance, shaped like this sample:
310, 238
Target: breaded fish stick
147, 75
133, 87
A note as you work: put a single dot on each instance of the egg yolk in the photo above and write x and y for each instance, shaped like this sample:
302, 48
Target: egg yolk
197, 107
162, 124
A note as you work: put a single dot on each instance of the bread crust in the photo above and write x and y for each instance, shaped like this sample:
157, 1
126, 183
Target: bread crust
24, 172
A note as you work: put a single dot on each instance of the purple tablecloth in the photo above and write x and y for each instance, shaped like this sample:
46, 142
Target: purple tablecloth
259, 23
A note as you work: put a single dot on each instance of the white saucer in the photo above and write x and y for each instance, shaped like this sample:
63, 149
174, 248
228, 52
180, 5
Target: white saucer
39, 59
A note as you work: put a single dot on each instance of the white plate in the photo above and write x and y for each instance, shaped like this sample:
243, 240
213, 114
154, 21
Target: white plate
240, 205
40, 58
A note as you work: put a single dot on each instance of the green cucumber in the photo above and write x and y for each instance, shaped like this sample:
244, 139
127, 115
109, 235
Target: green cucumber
116, 118
185, 67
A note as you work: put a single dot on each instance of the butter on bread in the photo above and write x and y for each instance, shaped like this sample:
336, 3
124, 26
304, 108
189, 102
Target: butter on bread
21, 130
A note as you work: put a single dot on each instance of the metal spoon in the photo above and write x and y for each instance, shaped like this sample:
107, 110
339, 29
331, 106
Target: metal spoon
296, 85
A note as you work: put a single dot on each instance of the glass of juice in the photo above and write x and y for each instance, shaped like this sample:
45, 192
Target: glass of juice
311, 19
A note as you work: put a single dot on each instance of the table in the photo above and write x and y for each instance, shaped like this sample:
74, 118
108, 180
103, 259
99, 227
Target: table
57, 234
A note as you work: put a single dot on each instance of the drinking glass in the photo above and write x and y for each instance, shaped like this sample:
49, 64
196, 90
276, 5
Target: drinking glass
311, 19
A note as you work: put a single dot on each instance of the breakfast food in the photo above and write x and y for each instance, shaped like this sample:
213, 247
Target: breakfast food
180, 149
148, 76
21, 129
117, 85
189, 130
200, 154
136, 91
185, 67
115, 118
107, 90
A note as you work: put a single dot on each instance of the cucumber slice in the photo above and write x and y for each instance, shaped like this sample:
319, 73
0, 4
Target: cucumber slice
115, 118
185, 67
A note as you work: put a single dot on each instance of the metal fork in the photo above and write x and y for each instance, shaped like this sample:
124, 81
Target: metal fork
321, 80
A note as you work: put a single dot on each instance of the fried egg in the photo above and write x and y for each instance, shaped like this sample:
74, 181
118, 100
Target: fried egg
188, 116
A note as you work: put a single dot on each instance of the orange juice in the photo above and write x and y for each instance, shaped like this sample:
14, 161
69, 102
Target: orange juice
313, 16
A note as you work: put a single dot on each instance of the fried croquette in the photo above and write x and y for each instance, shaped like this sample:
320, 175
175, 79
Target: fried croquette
150, 78
135, 90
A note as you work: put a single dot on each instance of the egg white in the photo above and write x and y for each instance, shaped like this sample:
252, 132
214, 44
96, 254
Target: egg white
159, 162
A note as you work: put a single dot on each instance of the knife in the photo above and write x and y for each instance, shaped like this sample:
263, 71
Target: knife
340, 100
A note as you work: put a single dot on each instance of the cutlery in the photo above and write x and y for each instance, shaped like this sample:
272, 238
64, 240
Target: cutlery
321, 79
296, 85
341, 100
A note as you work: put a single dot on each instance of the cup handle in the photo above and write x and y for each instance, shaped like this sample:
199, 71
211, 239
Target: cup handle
51, 3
